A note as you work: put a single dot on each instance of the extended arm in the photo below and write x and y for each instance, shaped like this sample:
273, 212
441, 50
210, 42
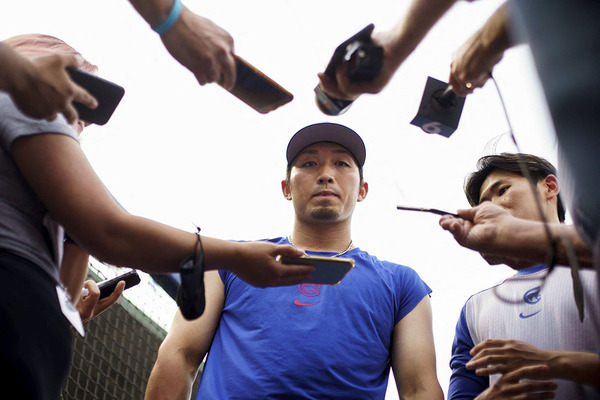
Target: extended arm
494, 232
413, 355
196, 42
474, 60
185, 347
58, 172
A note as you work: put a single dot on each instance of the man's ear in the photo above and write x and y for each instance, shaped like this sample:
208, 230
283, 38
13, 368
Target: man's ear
362, 192
552, 187
285, 189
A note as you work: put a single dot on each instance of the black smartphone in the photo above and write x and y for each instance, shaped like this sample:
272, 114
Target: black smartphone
106, 287
107, 93
329, 271
258, 90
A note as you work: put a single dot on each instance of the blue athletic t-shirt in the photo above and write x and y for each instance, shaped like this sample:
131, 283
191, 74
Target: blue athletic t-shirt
310, 341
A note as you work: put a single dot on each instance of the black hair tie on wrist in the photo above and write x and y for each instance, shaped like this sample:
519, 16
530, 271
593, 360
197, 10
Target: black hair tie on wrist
190, 294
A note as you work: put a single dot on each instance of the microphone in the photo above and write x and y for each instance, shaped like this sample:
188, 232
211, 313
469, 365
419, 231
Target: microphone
440, 109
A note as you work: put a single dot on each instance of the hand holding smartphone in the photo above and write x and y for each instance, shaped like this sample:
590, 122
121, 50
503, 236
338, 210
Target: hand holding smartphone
329, 270
108, 286
107, 93
257, 89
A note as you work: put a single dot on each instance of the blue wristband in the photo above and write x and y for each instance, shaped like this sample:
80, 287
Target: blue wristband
171, 18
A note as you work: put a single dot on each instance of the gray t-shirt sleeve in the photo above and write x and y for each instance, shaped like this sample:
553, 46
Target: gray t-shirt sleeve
23, 230
13, 124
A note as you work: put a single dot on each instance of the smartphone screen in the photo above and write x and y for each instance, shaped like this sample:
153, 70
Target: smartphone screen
107, 93
258, 90
329, 271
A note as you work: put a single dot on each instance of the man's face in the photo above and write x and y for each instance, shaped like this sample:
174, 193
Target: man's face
324, 183
512, 192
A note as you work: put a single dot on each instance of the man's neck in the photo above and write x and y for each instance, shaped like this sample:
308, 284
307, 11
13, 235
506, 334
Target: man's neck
322, 237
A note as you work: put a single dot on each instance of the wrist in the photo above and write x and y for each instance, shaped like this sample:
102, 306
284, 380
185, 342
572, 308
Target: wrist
220, 254
18, 72
167, 21
234, 256
580, 367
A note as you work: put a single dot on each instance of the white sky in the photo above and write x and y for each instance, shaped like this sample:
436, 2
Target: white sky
184, 154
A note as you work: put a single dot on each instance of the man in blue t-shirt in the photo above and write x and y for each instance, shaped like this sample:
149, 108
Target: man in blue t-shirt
523, 337
310, 341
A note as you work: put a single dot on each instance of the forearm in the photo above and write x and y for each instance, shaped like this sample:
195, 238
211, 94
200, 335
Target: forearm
73, 270
421, 16
413, 356
580, 367
495, 37
148, 245
153, 11
529, 240
186, 345
170, 379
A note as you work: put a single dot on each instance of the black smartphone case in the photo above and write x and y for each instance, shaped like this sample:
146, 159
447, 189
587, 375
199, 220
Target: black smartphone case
106, 287
258, 90
107, 93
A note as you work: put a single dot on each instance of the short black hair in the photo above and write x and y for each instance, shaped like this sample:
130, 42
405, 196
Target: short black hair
539, 168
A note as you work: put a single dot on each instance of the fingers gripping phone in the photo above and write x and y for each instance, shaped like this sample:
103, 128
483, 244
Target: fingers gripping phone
107, 93
257, 89
329, 271
108, 286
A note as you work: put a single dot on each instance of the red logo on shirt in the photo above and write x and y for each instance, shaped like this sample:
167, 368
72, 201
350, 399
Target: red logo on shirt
308, 290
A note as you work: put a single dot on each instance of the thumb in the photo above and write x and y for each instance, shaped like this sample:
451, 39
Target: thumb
289, 251
72, 60
467, 213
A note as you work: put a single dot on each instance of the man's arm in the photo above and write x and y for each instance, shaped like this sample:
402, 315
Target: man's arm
499, 236
79, 201
74, 268
474, 60
185, 347
413, 355
464, 383
196, 42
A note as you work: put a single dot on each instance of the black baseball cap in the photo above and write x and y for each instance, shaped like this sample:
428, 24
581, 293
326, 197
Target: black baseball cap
327, 132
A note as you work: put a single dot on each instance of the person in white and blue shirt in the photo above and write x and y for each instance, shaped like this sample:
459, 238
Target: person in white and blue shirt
527, 326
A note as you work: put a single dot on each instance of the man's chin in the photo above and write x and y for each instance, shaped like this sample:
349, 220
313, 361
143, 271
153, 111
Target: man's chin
325, 214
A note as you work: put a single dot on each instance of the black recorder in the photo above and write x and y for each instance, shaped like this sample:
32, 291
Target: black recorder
107, 93
364, 61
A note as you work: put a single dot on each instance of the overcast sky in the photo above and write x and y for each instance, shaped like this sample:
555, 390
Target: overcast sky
189, 155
